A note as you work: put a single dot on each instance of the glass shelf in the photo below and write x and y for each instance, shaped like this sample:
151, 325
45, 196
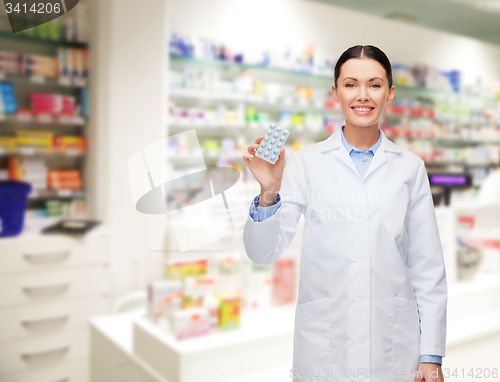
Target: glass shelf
43, 80
237, 65
20, 37
325, 78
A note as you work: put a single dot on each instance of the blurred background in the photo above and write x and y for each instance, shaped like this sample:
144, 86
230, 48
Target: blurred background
96, 282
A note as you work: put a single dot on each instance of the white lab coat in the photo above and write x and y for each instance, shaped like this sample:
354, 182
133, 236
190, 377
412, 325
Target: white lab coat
372, 290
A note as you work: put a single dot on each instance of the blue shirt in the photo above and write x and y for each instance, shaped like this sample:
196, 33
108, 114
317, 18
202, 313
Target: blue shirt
361, 159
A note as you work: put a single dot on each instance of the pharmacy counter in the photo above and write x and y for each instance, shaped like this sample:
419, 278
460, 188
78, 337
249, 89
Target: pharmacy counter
131, 348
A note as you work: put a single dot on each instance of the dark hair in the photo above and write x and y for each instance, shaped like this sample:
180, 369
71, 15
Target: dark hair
364, 51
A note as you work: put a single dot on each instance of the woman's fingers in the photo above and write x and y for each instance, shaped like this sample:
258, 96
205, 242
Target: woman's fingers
257, 141
251, 149
247, 157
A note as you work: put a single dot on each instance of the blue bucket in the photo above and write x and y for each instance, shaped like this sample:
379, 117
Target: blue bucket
13, 197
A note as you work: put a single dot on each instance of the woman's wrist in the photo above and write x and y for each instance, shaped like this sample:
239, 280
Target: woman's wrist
268, 197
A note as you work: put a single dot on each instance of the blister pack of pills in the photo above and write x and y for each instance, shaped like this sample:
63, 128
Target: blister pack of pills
273, 141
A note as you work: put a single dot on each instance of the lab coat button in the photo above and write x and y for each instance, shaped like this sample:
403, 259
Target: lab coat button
360, 341
360, 300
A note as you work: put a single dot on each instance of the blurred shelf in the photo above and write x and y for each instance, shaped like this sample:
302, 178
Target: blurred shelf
21, 37
29, 152
460, 163
49, 194
45, 120
438, 119
240, 66
241, 130
43, 80
220, 130
422, 134
261, 103
323, 77
443, 93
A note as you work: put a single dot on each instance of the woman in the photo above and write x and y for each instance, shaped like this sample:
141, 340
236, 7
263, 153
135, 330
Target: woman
372, 290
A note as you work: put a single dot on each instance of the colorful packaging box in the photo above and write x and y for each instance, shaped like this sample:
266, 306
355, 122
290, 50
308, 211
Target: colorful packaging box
69, 144
257, 285
40, 141
180, 269
283, 281
197, 290
64, 179
229, 312
164, 297
32, 170
189, 323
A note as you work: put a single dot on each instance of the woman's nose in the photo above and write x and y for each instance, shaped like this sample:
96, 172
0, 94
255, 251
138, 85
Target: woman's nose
362, 94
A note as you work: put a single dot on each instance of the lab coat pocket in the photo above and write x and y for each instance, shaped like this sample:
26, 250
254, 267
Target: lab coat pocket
396, 206
405, 336
312, 337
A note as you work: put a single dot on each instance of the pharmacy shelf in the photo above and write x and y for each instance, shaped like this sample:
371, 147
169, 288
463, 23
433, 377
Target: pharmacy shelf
423, 134
235, 130
260, 102
460, 163
456, 121
326, 78
201, 96
22, 37
220, 131
43, 80
30, 152
239, 66
55, 194
42, 120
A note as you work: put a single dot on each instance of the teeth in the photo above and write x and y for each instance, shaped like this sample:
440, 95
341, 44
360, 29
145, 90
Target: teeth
361, 109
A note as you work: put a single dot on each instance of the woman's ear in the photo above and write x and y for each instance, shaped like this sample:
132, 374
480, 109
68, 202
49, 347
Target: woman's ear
335, 94
390, 96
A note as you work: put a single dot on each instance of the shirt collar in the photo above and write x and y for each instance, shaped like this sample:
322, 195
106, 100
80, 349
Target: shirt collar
349, 147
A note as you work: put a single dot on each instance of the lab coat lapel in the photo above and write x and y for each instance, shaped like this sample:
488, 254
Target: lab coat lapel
378, 160
334, 141
344, 156
380, 157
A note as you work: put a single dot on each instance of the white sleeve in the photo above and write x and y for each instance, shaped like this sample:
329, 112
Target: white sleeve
425, 263
268, 240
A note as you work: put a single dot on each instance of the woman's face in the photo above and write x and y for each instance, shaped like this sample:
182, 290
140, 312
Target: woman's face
362, 85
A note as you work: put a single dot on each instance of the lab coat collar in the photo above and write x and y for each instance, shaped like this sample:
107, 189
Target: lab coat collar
334, 141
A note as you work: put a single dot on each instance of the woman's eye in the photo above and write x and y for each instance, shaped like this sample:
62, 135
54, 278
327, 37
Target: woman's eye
376, 85
349, 85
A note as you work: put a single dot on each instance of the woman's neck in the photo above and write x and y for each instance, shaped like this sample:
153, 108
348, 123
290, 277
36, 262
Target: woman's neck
361, 137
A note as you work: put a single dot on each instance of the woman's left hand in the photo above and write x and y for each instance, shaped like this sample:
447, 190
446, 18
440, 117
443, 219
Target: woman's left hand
429, 372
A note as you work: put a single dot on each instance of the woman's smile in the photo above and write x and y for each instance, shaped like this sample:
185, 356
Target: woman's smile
362, 109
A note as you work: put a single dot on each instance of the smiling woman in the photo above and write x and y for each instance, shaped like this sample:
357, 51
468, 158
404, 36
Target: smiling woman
372, 289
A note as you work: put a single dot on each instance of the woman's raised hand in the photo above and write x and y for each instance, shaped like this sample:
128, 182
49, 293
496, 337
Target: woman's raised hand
268, 175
